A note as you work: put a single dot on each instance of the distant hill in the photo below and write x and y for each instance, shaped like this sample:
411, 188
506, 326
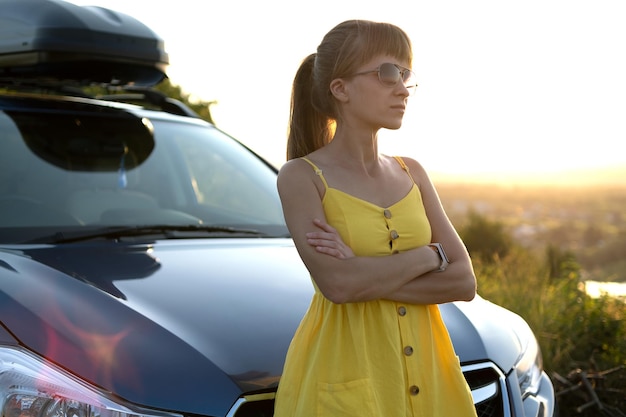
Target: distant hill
614, 176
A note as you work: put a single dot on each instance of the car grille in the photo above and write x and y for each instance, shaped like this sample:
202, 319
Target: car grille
255, 405
488, 389
485, 380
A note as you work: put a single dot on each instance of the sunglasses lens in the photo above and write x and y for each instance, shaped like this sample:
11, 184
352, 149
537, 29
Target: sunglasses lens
408, 78
389, 74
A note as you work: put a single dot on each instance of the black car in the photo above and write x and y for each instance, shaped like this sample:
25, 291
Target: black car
145, 266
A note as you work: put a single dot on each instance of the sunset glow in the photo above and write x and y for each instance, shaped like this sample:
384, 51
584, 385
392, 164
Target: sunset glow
525, 91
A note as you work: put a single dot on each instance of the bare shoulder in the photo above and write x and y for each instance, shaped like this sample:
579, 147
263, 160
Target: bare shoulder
430, 196
295, 174
417, 171
300, 197
297, 168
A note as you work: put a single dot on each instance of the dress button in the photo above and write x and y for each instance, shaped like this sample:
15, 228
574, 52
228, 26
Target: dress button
414, 389
387, 213
402, 310
394, 235
408, 350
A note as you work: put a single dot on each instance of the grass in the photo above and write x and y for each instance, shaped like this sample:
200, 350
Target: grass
574, 330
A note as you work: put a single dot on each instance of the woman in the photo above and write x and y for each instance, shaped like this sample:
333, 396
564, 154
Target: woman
372, 342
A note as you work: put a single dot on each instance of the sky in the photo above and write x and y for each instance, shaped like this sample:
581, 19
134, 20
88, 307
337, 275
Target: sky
508, 90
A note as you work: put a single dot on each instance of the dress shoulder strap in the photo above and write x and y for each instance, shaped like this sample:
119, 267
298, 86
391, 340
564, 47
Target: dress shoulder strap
318, 171
404, 167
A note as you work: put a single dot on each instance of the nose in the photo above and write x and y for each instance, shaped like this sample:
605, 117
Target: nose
404, 90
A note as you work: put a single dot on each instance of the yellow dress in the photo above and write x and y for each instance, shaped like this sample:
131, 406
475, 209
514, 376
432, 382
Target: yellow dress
377, 358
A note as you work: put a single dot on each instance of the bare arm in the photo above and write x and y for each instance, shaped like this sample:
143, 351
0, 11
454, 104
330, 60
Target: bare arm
458, 281
453, 284
347, 279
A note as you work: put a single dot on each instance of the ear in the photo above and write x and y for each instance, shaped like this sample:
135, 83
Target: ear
339, 89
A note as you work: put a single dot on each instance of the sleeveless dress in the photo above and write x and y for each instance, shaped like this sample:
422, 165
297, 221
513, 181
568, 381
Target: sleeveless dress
377, 358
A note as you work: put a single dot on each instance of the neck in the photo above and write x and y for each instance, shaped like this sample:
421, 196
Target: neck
354, 147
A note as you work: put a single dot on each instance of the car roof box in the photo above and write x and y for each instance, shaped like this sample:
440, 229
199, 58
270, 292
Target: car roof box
54, 39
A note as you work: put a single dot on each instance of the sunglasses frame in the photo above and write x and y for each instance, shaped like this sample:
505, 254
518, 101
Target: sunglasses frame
401, 71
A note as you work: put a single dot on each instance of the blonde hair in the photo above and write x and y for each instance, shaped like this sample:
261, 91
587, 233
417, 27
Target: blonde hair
343, 50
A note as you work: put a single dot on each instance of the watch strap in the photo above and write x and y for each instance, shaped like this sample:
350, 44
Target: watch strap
438, 248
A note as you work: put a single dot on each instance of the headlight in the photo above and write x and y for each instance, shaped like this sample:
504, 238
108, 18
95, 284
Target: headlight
32, 387
529, 366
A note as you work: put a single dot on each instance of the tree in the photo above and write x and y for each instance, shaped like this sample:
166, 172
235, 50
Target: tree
203, 108
485, 239
165, 87
561, 264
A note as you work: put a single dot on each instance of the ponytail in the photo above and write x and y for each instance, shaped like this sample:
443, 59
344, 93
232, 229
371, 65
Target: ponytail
309, 128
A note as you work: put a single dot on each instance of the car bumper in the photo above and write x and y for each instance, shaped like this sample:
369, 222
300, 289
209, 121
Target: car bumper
538, 404
498, 395
541, 404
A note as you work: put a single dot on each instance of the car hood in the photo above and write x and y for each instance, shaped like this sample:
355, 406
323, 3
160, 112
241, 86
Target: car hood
157, 323
482, 330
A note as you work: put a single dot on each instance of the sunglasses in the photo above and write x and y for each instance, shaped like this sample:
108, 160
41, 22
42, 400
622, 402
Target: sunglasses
390, 74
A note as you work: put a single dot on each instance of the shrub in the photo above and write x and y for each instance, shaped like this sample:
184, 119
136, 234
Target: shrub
574, 330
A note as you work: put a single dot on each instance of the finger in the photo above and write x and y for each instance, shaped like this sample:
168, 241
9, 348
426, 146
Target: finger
323, 242
329, 251
323, 236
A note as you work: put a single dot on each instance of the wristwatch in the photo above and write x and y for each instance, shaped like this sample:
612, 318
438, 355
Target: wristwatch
438, 248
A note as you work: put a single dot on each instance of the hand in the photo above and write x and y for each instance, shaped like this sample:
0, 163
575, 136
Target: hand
328, 241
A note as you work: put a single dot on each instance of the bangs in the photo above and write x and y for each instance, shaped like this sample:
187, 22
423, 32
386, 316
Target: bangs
369, 40
386, 39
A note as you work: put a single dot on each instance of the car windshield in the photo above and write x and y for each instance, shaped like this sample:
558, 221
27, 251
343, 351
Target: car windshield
72, 172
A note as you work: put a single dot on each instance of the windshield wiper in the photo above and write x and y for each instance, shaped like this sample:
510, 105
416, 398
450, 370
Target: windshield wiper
164, 231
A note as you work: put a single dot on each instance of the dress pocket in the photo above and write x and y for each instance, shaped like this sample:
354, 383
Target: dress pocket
347, 399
